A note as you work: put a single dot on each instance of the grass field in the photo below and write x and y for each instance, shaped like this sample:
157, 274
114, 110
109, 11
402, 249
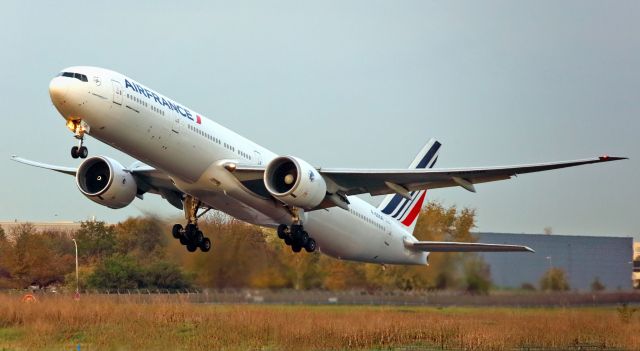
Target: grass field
166, 323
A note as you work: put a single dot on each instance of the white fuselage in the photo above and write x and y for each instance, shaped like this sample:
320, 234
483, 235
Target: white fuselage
193, 150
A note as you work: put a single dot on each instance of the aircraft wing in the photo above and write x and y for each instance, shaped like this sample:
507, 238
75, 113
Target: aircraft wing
449, 246
403, 181
148, 179
376, 182
66, 170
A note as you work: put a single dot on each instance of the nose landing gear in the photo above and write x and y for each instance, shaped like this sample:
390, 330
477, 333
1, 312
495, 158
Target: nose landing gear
297, 238
191, 236
78, 129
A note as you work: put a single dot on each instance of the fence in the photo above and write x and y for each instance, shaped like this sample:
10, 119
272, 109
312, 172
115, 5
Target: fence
321, 297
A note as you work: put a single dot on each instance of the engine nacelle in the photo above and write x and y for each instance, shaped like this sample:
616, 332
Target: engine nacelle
104, 180
295, 182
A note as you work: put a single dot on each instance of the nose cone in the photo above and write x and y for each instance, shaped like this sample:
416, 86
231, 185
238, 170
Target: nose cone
58, 88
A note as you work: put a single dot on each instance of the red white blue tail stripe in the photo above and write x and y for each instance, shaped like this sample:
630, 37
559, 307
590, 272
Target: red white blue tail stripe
405, 210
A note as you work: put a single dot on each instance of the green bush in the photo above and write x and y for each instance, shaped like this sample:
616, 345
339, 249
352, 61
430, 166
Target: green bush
554, 279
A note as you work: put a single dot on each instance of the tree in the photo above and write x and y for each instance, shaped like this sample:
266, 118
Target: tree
446, 270
141, 237
96, 241
597, 286
554, 279
165, 275
477, 275
240, 253
31, 258
116, 272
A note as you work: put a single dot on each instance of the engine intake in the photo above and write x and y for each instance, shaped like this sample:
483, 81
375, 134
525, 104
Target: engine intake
105, 181
295, 182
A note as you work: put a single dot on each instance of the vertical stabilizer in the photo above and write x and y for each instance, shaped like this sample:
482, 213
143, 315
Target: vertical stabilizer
405, 210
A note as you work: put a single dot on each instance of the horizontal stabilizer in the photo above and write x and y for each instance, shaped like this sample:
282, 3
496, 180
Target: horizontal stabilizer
449, 246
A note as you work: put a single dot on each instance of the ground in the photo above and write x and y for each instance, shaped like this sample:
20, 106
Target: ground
172, 323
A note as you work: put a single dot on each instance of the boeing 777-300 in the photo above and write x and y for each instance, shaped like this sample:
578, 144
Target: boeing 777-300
197, 165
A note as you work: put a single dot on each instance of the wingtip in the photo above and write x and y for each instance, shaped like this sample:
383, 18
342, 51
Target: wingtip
605, 158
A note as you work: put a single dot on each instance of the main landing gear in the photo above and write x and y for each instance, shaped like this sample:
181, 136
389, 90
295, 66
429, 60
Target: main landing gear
297, 238
78, 129
191, 236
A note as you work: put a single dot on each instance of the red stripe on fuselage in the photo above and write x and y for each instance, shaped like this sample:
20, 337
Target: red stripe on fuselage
414, 211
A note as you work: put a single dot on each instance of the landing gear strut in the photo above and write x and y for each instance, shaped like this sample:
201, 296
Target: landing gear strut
78, 129
297, 238
191, 236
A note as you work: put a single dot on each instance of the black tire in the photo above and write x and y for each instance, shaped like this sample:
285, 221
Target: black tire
198, 237
183, 240
74, 152
205, 245
282, 231
190, 230
191, 247
311, 245
176, 231
296, 248
83, 152
304, 238
287, 240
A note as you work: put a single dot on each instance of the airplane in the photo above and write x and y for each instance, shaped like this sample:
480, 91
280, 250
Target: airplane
198, 165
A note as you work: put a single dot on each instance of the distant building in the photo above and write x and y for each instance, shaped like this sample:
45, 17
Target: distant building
583, 258
636, 265
63, 226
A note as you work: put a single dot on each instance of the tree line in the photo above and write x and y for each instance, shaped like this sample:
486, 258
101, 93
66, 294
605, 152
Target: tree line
141, 253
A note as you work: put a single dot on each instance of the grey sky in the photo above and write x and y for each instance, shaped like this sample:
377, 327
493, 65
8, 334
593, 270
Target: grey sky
353, 84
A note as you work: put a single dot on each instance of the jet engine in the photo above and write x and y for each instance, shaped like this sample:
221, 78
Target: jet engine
105, 181
295, 182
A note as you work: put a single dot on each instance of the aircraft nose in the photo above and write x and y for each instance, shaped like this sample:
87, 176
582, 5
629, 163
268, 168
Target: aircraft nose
58, 88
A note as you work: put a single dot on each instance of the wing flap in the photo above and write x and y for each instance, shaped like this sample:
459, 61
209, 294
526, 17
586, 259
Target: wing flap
450, 246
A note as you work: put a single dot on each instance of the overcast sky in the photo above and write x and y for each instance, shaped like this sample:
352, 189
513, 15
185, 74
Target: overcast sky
353, 84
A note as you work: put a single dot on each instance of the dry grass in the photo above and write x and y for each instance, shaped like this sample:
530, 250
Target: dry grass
166, 323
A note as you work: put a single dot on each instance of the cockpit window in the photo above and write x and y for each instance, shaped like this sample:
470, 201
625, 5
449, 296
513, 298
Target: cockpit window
78, 76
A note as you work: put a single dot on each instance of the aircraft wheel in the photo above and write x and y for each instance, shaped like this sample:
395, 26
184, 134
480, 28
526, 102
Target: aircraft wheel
296, 248
83, 152
191, 247
287, 240
303, 238
176, 231
183, 240
311, 245
190, 230
198, 237
74, 152
282, 231
205, 245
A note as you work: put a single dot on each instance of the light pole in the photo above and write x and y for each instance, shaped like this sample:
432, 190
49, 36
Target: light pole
549, 274
77, 277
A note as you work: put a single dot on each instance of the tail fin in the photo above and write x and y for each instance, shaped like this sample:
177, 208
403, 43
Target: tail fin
404, 210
